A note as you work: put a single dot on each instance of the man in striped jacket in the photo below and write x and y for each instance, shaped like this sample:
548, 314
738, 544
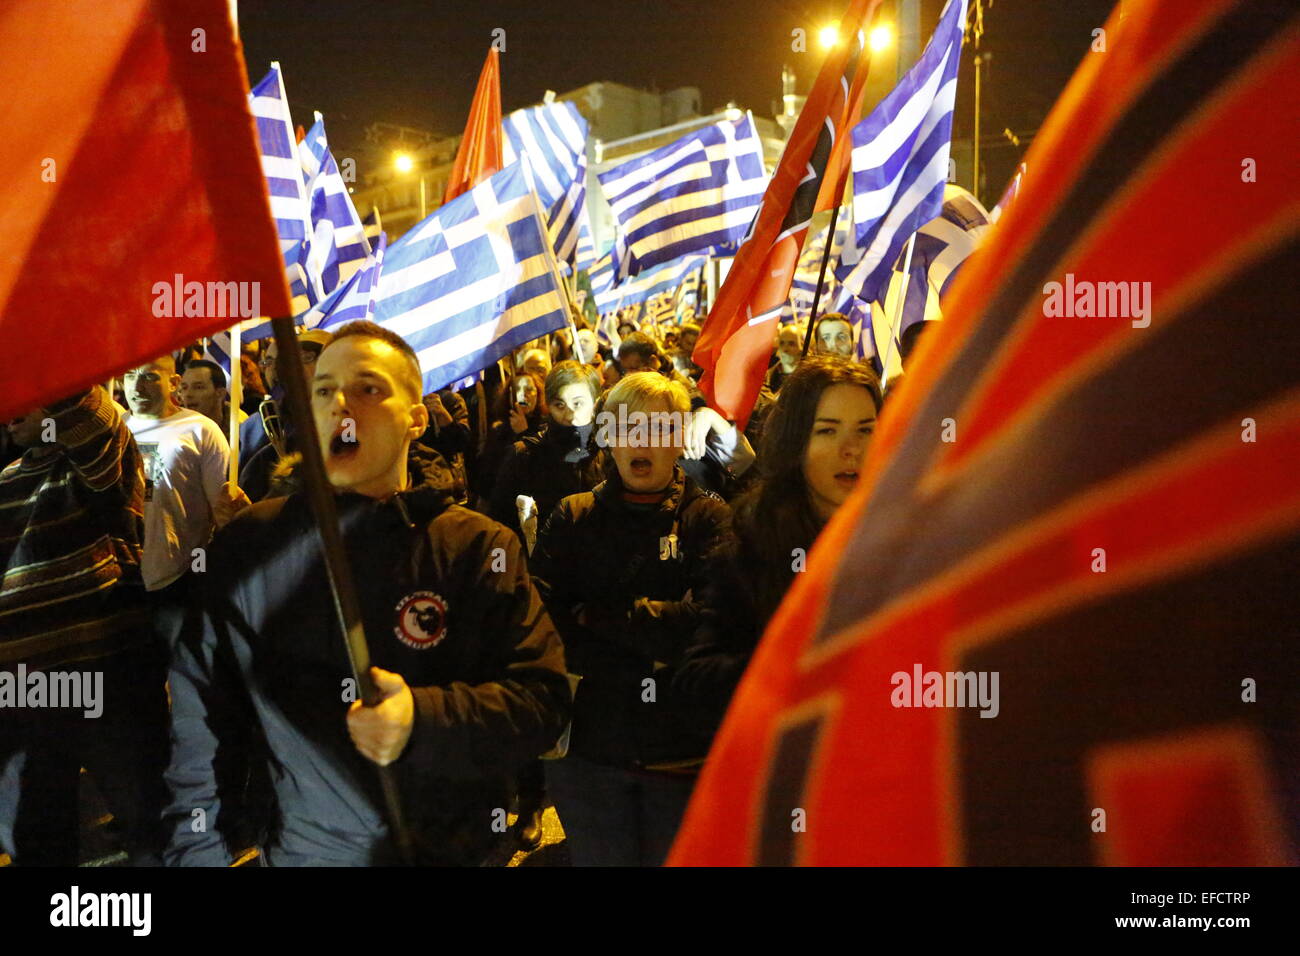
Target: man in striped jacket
81, 671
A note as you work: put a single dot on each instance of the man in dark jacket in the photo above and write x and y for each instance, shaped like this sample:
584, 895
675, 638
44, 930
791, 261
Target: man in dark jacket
470, 666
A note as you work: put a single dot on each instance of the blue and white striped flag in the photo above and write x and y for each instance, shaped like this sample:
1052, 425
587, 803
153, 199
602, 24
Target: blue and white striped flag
282, 167
312, 149
900, 160
941, 246
474, 280
217, 349
603, 273
338, 246
280, 162
554, 137
696, 193
668, 277
354, 299
585, 258
803, 288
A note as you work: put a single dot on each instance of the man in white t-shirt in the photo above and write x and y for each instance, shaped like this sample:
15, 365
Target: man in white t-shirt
186, 459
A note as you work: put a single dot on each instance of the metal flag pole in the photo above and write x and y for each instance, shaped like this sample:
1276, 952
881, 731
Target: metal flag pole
898, 308
321, 498
821, 277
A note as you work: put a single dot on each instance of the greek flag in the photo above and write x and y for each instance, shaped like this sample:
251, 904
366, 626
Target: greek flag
554, 137
280, 162
603, 273
900, 160
941, 246
312, 149
338, 246
354, 299
586, 255
668, 277
282, 167
474, 280
698, 192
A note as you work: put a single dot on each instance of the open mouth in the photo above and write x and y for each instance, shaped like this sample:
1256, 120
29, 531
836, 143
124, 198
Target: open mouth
846, 478
641, 467
341, 448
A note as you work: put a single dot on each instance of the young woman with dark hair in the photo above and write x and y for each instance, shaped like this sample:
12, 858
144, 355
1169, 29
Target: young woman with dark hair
811, 456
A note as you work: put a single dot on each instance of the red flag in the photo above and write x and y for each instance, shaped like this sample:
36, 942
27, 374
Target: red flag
739, 333
133, 161
1101, 510
838, 165
479, 155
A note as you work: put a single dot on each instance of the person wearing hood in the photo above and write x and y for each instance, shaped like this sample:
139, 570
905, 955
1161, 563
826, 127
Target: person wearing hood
619, 568
469, 665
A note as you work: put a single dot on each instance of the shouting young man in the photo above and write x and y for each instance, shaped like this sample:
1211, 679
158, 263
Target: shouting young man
470, 666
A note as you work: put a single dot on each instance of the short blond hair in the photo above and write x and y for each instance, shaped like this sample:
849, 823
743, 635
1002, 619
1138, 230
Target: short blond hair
639, 390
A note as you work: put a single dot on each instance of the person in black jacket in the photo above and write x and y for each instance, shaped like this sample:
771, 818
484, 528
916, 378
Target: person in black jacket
618, 568
521, 414
470, 666
812, 454
561, 460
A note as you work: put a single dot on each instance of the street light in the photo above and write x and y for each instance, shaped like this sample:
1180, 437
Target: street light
828, 36
404, 163
880, 37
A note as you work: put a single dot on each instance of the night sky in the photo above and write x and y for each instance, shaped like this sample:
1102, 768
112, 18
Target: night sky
415, 62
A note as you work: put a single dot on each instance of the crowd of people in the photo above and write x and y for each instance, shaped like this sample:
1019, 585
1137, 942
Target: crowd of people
563, 570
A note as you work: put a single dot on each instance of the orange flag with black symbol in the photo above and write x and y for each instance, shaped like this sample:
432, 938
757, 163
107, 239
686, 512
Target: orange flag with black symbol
1056, 624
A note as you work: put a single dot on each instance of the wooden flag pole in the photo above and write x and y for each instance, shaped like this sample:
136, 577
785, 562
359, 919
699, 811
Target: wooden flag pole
321, 498
898, 309
236, 399
821, 278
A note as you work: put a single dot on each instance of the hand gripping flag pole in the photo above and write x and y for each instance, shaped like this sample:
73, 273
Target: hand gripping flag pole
321, 499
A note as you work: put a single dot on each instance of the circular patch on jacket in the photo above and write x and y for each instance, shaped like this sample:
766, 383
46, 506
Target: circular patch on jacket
421, 620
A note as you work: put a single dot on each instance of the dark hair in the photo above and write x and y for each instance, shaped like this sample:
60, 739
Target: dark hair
370, 330
776, 516
506, 401
641, 345
568, 373
909, 338
216, 371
